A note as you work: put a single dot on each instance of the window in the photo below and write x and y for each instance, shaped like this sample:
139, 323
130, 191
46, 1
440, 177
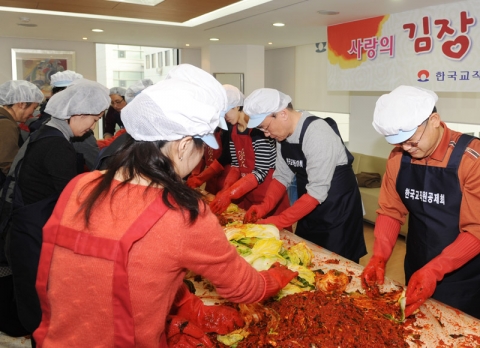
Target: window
160, 59
122, 83
167, 58
121, 54
147, 61
154, 61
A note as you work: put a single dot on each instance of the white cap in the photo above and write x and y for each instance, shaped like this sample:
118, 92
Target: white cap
263, 102
136, 88
118, 90
82, 97
234, 98
175, 108
19, 91
398, 114
64, 78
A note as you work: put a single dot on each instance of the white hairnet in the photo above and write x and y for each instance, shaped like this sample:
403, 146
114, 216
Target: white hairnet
263, 102
82, 97
136, 88
118, 90
174, 108
64, 78
19, 91
398, 114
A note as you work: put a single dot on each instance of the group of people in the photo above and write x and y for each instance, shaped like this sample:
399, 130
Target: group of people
124, 237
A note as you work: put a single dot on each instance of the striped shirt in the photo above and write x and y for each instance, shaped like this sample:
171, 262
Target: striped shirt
265, 153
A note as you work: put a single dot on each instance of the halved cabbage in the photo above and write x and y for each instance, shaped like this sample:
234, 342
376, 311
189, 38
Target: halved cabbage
300, 254
239, 231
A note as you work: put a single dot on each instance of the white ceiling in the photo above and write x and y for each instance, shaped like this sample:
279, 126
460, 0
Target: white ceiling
303, 24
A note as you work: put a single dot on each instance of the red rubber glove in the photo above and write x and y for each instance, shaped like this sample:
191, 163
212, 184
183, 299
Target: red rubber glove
231, 178
273, 195
386, 233
237, 190
423, 282
194, 181
276, 278
302, 206
183, 334
219, 319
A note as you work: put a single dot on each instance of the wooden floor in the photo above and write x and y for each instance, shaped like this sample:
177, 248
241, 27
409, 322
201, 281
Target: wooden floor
394, 268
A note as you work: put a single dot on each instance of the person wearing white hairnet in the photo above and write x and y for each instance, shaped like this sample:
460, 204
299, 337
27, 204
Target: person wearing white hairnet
253, 161
329, 207
18, 99
58, 81
433, 175
48, 165
112, 118
125, 237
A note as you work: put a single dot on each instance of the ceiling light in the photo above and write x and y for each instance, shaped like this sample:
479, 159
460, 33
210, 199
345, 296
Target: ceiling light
278, 24
328, 13
98, 30
85, 38
141, 2
187, 44
270, 43
24, 19
214, 39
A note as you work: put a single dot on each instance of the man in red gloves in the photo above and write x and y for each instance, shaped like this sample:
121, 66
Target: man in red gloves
329, 208
433, 175
253, 161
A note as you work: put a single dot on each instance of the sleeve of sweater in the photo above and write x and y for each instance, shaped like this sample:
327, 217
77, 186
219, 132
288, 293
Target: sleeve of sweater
206, 251
265, 155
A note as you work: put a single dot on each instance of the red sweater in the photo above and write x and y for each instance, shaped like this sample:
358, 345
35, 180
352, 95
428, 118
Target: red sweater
80, 287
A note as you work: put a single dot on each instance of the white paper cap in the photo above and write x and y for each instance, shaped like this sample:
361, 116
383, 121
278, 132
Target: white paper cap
82, 97
398, 114
64, 78
118, 90
19, 91
173, 108
234, 98
263, 102
136, 89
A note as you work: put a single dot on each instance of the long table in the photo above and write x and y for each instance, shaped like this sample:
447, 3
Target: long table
436, 325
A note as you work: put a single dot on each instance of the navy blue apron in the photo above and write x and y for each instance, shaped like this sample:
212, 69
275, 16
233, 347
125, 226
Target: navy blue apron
433, 197
24, 242
337, 223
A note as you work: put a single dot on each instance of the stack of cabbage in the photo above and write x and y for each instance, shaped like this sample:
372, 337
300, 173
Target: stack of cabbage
261, 246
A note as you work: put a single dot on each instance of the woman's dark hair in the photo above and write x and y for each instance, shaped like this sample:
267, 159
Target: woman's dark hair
434, 110
290, 106
55, 90
145, 159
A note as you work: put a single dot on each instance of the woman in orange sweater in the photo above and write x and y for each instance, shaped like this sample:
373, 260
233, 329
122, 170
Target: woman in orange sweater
120, 241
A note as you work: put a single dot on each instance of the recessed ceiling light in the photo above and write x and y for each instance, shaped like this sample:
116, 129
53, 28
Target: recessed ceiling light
24, 19
278, 24
84, 38
141, 2
270, 43
328, 13
98, 30
214, 39
187, 44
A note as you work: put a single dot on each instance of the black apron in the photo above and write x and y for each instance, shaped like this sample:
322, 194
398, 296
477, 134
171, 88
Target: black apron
337, 223
24, 242
433, 198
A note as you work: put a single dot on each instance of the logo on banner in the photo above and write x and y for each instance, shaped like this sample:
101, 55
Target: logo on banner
323, 47
423, 76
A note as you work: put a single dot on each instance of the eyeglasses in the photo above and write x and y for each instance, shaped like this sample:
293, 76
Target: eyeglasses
265, 129
415, 143
117, 102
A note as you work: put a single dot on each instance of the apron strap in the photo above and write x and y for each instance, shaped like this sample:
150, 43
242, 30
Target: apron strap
458, 150
114, 250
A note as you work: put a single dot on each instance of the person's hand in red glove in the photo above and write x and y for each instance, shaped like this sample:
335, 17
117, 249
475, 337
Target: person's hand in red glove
276, 278
195, 181
423, 282
220, 319
303, 206
386, 233
274, 194
183, 334
236, 191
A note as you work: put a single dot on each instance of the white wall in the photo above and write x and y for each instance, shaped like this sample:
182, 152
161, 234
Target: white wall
84, 54
280, 70
246, 59
191, 56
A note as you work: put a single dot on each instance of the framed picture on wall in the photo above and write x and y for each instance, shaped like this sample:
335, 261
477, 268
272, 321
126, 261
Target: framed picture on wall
234, 79
36, 66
